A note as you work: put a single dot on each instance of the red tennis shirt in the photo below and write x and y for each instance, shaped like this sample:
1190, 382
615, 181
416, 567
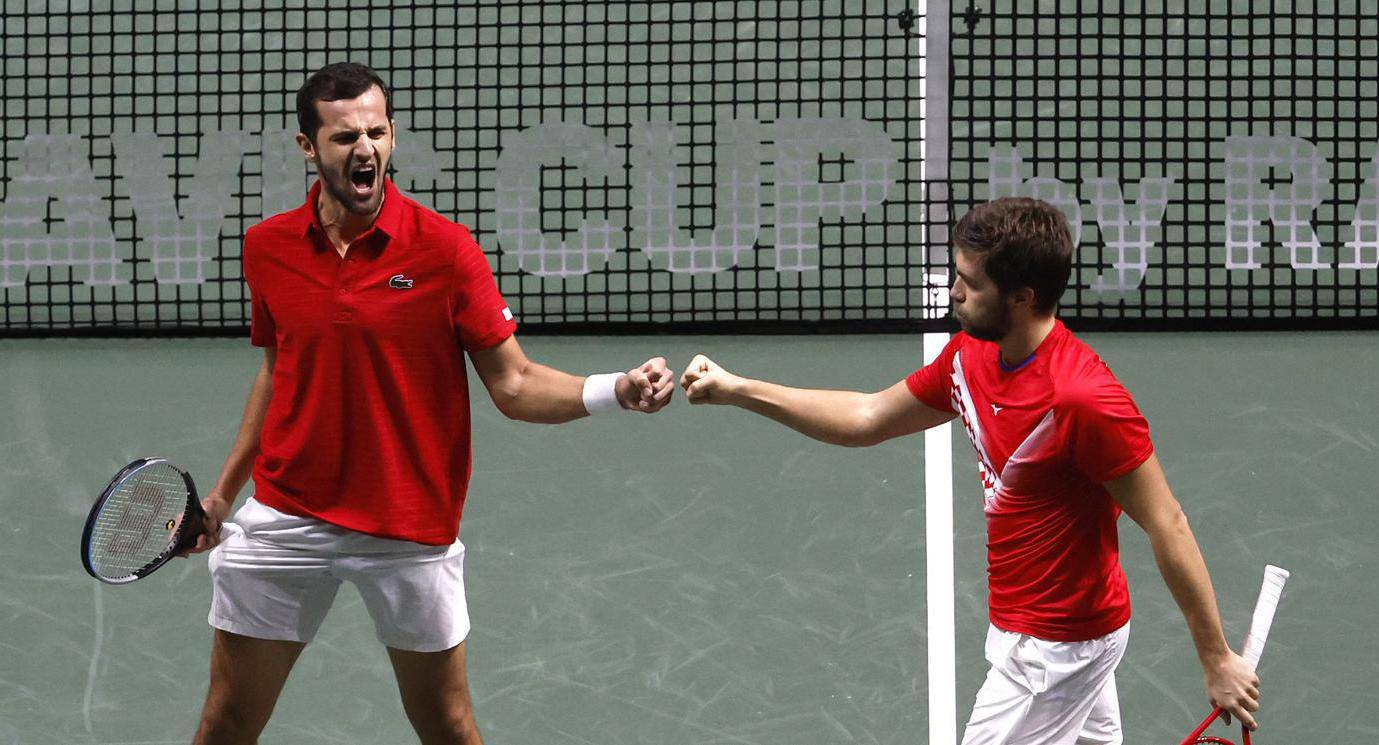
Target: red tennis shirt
1048, 434
368, 425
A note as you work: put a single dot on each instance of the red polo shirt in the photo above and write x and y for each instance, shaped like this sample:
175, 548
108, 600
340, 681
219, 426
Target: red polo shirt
1049, 433
368, 425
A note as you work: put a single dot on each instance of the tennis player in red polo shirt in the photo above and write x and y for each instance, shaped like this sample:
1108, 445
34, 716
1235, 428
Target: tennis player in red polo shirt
357, 427
1062, 450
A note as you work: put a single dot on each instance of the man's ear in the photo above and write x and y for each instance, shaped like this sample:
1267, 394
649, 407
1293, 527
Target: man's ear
307, 146
1022, 297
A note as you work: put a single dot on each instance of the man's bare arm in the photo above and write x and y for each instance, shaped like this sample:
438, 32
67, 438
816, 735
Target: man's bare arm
240, 462
848, 418
1145, 496
532, 392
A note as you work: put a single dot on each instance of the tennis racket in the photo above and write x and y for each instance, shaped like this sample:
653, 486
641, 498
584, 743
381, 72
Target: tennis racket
147, 514
1269, 594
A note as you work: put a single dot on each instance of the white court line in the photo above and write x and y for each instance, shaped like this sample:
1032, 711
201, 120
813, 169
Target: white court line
939, 584
938, 444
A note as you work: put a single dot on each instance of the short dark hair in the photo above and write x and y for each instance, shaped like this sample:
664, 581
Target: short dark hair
1025, 242
335, 82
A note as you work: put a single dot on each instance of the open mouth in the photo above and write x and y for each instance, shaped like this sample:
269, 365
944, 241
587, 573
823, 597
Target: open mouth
362, 177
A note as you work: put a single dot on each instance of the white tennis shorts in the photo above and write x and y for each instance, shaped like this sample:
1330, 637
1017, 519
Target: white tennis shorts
1040, 692
274, 576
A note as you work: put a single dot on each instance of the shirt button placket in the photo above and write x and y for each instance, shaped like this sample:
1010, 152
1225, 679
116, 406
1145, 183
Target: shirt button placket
343, 307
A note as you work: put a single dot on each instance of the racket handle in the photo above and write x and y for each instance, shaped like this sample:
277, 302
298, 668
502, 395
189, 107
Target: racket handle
1203, 728
197, 517
1269, 594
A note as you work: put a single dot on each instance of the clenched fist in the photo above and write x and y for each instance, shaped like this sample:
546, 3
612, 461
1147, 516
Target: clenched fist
706, 382
646, 388
1233, 685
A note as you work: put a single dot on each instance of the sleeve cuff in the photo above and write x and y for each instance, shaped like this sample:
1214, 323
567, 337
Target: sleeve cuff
938, 403
1130, 464
492, 338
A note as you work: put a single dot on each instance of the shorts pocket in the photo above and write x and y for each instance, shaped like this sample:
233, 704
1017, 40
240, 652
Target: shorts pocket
1026, 665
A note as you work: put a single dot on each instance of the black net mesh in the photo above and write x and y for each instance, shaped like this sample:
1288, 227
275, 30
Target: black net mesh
1217, 158
624, 164
743, 164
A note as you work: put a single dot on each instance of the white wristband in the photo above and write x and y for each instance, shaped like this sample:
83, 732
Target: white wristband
601, 393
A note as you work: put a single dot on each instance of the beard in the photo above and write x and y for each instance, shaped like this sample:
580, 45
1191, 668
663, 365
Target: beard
341, 187
994, 327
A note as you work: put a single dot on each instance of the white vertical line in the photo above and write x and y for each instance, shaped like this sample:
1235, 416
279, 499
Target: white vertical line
934, 55
939, 584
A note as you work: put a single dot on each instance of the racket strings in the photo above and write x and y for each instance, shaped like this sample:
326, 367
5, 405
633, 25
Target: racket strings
139, 521
136, 523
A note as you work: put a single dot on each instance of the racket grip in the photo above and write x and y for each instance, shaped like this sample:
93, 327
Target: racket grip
1269, 594
197, 517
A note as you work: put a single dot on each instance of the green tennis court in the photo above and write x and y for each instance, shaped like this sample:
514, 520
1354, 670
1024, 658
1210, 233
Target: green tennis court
700, 575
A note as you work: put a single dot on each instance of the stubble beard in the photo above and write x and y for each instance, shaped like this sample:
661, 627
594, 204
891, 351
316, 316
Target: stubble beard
341, 188
995, 330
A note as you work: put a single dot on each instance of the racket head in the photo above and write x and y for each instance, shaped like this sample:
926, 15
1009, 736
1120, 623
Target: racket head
1212, 740
1198, 738
147, 514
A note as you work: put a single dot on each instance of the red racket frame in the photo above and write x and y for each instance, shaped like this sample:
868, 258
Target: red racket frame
1196, 738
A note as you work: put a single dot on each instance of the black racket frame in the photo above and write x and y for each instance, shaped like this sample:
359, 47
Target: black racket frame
193, 525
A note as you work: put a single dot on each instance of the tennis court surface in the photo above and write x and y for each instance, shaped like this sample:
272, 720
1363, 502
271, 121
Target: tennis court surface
700, 575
